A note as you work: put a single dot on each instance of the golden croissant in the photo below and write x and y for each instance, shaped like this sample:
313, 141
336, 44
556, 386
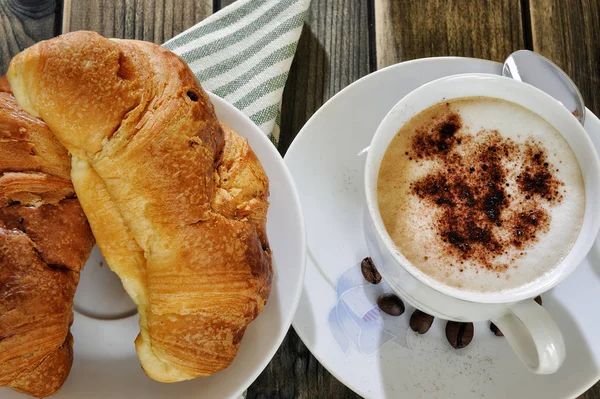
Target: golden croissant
44, 243
176, 201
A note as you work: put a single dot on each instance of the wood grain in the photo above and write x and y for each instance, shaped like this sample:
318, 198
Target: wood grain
568, 33
428, 28
333, 52
26, 22
151, 20
224, 3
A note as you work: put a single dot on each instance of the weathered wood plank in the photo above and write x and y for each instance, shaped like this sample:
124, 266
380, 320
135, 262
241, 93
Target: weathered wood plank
26, 22
428, 28
568, 33
592, 393
151, 20
225, 3
333, 52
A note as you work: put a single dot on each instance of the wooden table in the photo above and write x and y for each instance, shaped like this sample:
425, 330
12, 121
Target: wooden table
342, 41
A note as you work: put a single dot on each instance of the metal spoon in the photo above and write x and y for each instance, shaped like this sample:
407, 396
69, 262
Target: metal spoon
538, 71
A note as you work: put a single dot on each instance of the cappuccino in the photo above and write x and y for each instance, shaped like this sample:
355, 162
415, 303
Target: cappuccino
481, 194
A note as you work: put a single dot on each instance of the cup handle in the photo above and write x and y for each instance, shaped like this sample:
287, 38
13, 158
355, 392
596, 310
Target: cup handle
534, 336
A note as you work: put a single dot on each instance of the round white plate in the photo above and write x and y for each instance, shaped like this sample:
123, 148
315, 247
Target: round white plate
106, 365
377, 355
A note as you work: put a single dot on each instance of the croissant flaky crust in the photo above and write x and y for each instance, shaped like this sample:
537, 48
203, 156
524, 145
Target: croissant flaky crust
44, 243
176, 201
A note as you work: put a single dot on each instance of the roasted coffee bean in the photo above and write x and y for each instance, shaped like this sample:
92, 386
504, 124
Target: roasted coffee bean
538, 299
496, 330
369, 271
420, 321
390, 304
459, 334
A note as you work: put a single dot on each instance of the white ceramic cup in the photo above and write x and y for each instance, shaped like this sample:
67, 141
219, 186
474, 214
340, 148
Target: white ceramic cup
528, 327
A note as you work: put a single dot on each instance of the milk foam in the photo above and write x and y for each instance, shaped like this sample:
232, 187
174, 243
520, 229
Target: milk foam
412, 222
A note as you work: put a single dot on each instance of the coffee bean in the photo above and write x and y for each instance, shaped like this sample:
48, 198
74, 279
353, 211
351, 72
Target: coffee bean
496, 330
538, 299
459, 334
369, 271
420, 322
390, 304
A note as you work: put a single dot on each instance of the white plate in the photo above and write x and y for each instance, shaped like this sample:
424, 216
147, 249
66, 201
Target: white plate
377, 355
106, 365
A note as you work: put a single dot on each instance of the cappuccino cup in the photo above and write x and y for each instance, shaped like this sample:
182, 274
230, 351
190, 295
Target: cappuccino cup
480, 195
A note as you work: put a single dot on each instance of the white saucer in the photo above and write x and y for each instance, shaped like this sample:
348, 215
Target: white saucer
377, 355
105, 363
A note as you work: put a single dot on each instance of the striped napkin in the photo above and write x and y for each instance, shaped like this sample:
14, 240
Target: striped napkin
243, 54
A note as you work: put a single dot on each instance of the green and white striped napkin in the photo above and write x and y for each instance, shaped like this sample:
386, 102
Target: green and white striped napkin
243, 54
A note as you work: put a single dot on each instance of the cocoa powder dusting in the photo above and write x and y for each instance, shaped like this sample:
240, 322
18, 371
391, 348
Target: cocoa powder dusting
480, 220
439, 140
537, 178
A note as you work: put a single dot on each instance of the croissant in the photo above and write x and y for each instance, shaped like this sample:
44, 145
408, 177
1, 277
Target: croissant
44, 243
177, 202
